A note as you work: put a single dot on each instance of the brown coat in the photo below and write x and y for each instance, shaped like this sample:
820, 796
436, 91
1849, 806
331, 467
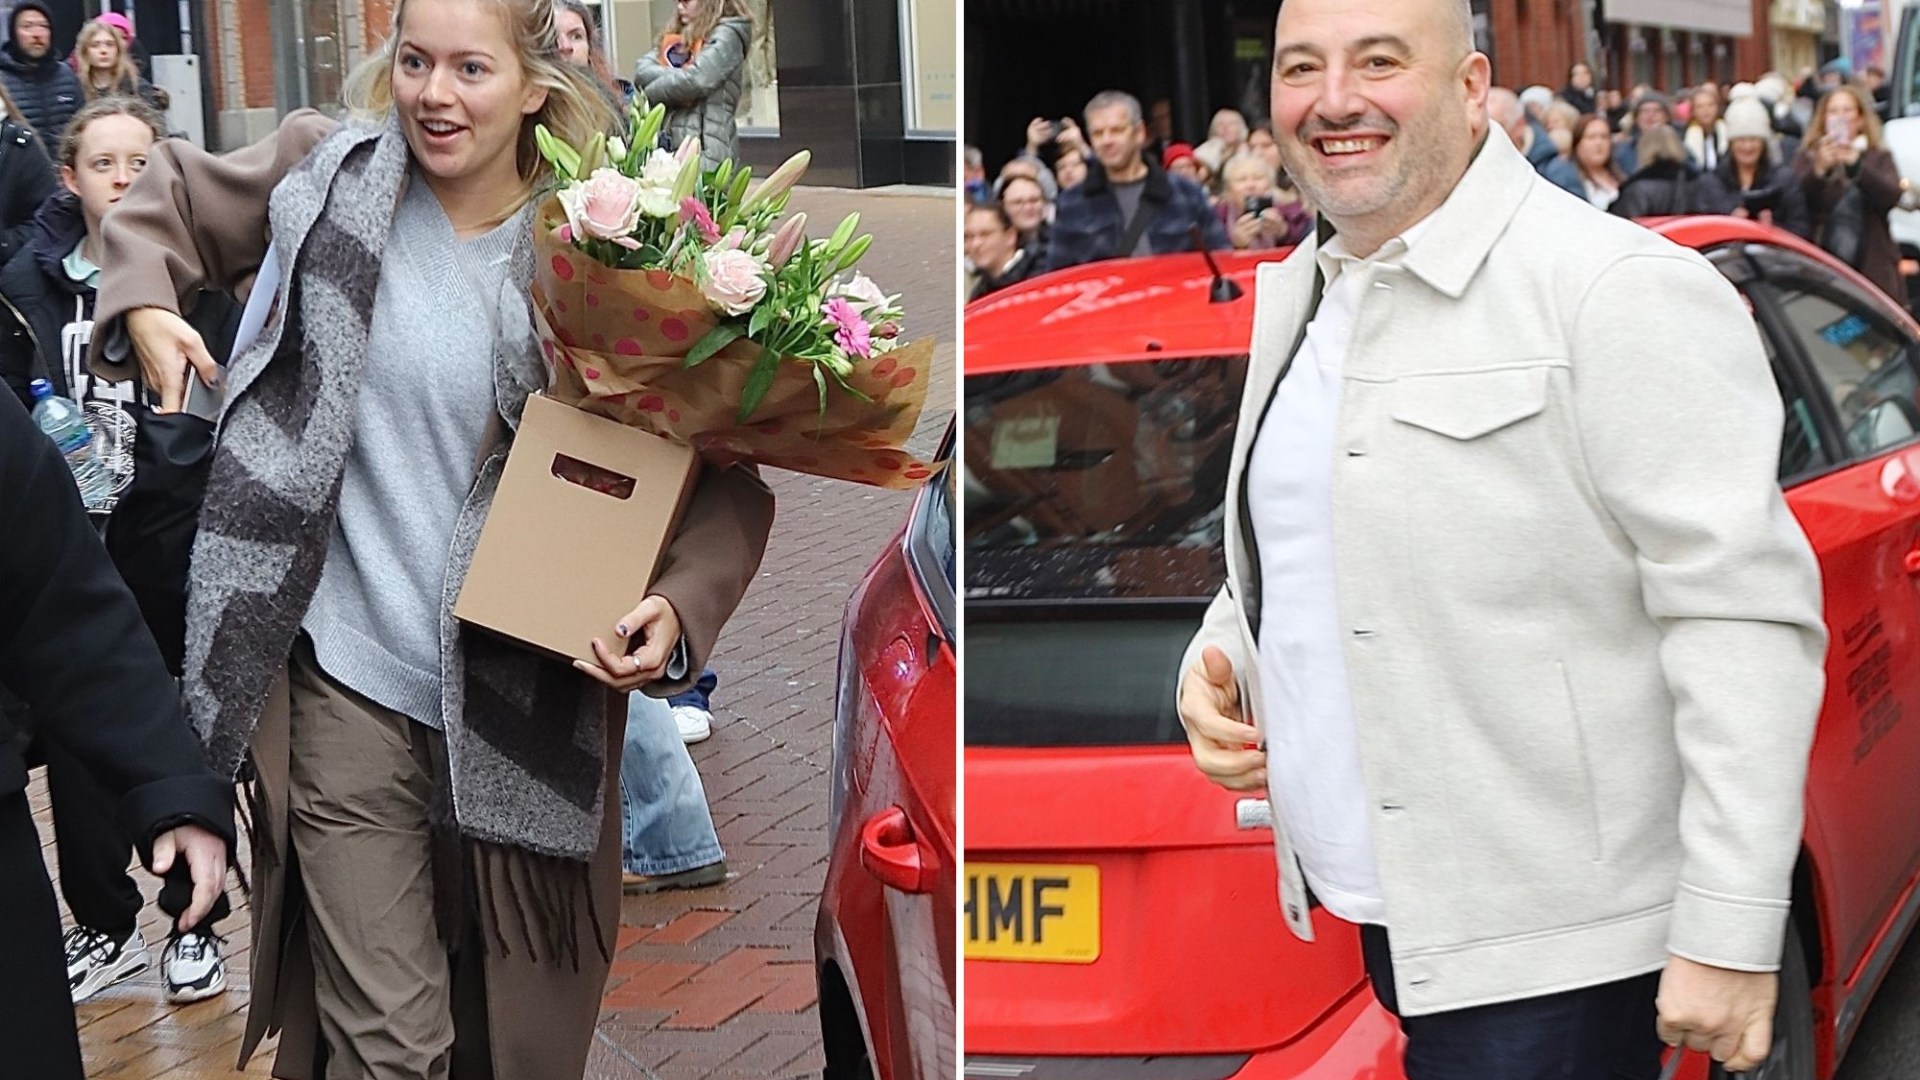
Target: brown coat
1879, 180
194, 221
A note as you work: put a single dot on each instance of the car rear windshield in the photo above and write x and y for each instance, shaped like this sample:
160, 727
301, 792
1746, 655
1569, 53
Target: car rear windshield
1094, 520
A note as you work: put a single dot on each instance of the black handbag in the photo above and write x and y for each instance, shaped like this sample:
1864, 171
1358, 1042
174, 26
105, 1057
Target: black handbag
1845, 233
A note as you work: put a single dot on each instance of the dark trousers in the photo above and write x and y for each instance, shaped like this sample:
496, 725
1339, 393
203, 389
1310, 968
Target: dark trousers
36, 1009
93, 849
1601, 1032
94, 853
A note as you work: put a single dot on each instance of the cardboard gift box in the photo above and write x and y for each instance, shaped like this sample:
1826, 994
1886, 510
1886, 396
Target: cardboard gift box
584, 511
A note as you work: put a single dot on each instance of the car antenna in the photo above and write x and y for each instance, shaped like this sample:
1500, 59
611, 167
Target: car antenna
1224, 289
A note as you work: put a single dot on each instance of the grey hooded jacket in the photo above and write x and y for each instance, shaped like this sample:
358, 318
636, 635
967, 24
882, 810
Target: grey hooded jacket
703, 96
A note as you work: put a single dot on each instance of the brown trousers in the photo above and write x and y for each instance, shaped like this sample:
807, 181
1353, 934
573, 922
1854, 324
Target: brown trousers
360, 784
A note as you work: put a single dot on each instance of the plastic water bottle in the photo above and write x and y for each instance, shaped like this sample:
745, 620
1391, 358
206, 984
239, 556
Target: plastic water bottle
66, 425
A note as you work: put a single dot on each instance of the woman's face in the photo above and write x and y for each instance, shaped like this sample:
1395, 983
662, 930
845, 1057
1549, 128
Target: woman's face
987, 243
1190, 168
103, 50
1229, 128
1843, 106
1581, 77
1070, 170
1706, 107
1243, 184
113, 150
1748, 152
461, 91
1261, 142
1025, 202
573, 37
1594, 148
687, 10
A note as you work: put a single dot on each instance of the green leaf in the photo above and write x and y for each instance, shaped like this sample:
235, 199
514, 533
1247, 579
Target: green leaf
758, 383
853, 253
721, 336
762, 318
820, 381
849, 388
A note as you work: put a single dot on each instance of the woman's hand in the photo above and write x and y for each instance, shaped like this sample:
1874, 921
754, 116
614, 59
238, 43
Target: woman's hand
1246, 229
1039, 134
657, 626
166, 346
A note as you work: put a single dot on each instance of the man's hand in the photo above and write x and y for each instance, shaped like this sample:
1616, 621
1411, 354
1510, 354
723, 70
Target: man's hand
206, 856
657, 626
1728, 1014
1224, 747
166, 345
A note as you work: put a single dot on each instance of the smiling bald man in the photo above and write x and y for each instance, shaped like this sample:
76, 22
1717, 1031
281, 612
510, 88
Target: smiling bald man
1518, 634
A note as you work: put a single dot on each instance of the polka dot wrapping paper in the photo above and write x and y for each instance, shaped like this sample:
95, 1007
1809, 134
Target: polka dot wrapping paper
615, 343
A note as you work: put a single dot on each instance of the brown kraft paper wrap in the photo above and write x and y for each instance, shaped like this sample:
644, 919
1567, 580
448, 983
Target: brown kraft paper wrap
615, 342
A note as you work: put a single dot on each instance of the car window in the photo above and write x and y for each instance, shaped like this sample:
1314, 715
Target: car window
1800, 449
1865, 363
1093, 537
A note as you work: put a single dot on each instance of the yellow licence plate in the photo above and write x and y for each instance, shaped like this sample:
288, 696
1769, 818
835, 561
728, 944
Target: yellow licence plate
1033, 912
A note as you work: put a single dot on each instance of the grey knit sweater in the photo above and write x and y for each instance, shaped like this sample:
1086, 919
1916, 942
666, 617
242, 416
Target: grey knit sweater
418, 425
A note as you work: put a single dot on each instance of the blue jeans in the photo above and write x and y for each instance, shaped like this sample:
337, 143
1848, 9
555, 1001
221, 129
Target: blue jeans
664, 821
1601, 1032
700, 694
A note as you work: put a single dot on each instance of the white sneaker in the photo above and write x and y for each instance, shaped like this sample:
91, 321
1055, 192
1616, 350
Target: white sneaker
95, 961
192, 969
695, 723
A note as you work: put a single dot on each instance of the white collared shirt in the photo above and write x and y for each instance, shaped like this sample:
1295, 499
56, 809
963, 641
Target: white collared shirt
1313, 751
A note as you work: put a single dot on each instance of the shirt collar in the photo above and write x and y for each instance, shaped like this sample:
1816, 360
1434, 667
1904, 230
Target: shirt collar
1334, 257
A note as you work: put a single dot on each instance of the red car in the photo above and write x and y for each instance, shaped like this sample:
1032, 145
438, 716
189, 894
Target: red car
883, 941
1119, 911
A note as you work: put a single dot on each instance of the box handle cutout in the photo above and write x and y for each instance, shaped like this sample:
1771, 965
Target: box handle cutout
592, 477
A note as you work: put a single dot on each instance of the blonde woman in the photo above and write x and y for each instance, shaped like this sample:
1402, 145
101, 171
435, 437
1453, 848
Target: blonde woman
104, 66
446, 801
698, 70
1851, 182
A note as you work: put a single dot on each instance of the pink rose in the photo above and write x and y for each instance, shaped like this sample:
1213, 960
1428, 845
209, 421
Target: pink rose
606, 207
734, 281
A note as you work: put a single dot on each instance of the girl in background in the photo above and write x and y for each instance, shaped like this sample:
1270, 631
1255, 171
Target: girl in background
699, 70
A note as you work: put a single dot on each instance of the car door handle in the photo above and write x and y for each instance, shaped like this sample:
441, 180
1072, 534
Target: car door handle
891, 853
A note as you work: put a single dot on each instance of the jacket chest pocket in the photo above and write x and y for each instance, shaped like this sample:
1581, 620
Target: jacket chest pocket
1471, 404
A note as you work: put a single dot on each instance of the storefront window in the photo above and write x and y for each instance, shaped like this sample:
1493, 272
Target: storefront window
930, 76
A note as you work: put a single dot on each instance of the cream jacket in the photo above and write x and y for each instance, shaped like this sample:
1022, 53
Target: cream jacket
1583, 631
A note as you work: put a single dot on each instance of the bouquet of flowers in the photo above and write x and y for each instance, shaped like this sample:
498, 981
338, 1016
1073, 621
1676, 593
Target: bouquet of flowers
687, 302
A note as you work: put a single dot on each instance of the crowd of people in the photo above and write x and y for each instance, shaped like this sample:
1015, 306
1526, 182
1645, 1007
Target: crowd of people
351, 844
1807, 157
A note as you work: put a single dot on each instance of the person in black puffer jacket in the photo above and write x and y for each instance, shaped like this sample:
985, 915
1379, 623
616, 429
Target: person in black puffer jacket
27, 177
1663, 184
45, 88
1750, 181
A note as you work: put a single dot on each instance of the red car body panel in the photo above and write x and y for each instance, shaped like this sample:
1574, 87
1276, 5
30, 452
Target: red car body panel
886, 919
1217, 950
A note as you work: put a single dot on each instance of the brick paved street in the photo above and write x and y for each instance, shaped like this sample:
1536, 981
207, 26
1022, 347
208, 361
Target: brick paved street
717, 982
